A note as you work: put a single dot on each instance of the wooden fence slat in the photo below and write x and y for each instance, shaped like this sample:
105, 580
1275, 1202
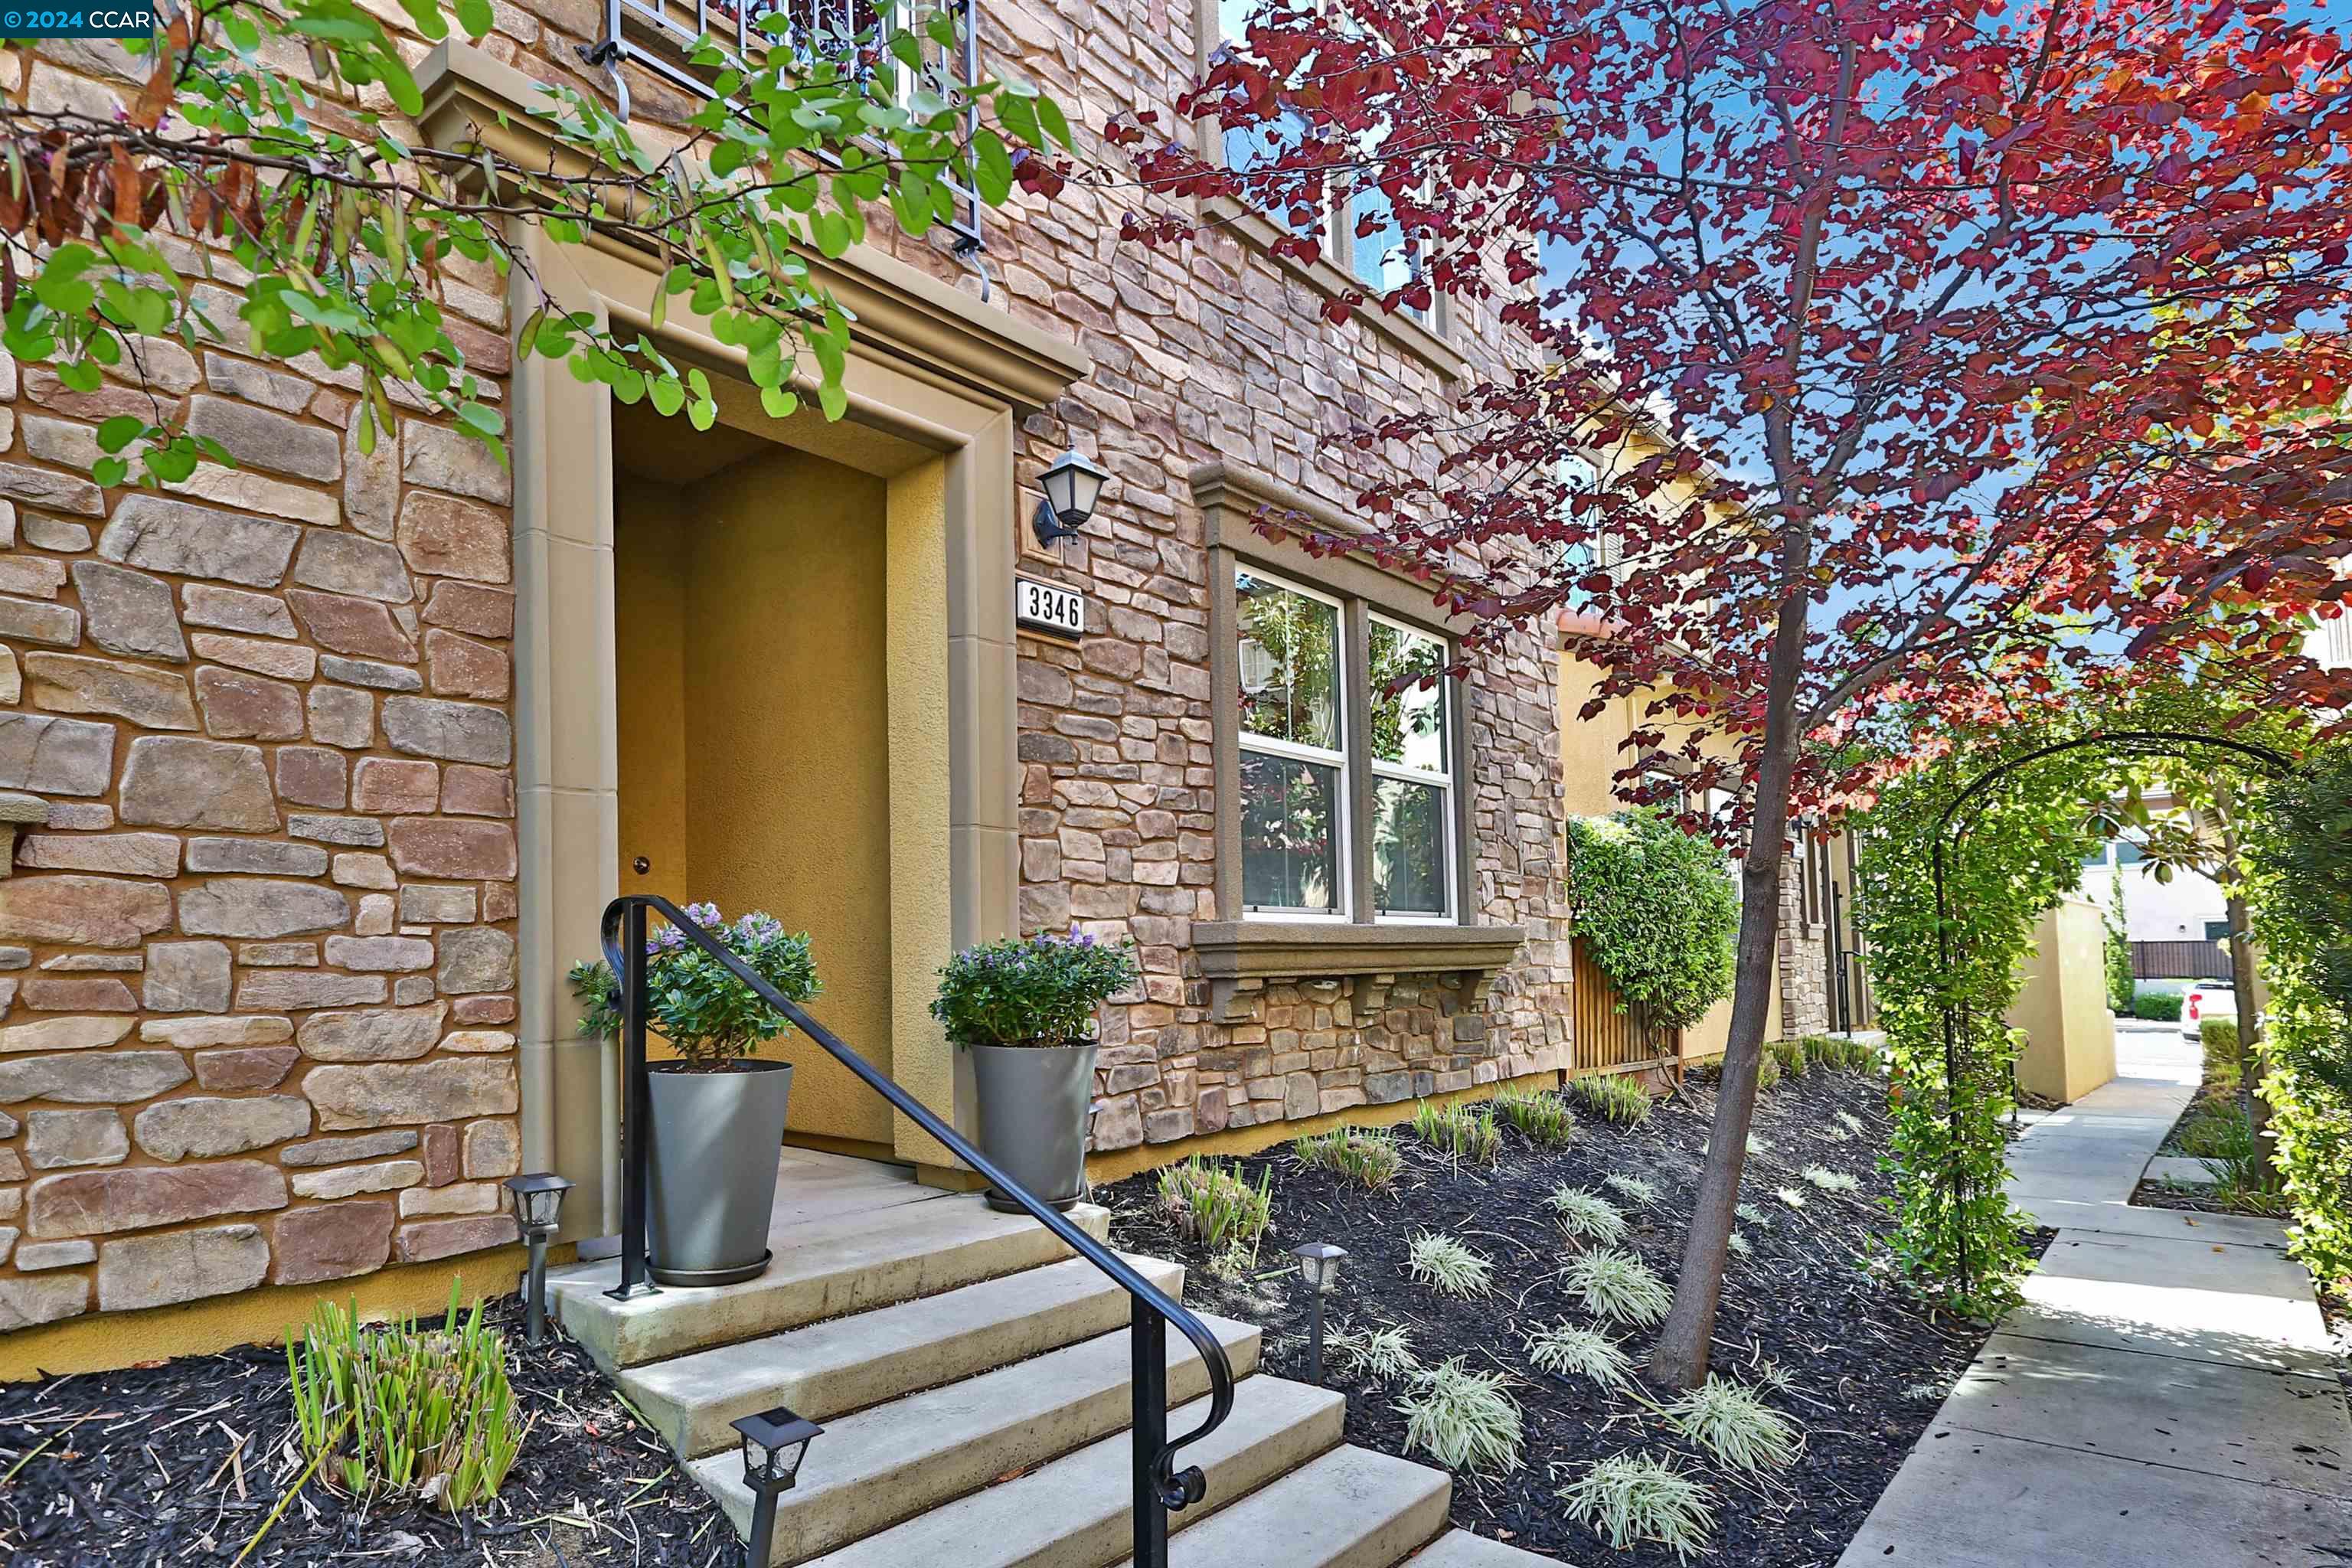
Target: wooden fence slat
2180, 961
1607, 1038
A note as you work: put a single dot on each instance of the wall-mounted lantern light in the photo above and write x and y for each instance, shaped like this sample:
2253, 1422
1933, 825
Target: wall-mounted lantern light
1072, 486
774, 1443
1318, 1266
538, 1201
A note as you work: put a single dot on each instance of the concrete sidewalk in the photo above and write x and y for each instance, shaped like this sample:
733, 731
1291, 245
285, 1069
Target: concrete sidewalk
2165, 1395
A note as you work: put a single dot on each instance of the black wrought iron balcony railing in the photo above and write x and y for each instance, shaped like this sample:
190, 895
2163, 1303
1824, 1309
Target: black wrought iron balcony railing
655, 35
1158, 1486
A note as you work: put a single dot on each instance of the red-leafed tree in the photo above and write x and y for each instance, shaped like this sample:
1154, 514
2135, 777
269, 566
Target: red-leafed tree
1924, 349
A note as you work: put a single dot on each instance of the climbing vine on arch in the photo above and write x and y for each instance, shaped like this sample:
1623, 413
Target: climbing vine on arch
1944, 984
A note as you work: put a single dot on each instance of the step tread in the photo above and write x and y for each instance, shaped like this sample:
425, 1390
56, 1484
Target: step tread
1352, 1507
825, 1370
821, 1271
872, 1469
1460, 1549
1074, 1512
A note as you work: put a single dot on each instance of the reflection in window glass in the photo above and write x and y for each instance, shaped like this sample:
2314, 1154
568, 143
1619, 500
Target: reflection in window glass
1378, 254
1291, 833
1408, 848
1408, 724
1289, 659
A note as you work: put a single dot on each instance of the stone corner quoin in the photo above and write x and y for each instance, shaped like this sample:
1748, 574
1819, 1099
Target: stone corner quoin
257, 962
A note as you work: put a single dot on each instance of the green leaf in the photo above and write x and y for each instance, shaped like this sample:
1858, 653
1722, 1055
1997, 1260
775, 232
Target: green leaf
666, 395
474, 16
79, 375
779, 403
991, 167
116, 433
426, 15
831, 231
1019, 116
833, 398
110, 471
1049, 115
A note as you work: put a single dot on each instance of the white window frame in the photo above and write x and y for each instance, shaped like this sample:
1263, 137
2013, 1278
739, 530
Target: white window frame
1449, 868
1342, 911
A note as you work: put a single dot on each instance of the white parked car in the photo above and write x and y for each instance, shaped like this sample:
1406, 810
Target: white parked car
2206, 999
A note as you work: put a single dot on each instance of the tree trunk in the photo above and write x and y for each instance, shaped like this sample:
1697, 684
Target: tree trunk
1687, 1339
2241, 979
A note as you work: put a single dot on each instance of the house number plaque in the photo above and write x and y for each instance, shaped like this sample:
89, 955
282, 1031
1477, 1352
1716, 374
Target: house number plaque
1049, 607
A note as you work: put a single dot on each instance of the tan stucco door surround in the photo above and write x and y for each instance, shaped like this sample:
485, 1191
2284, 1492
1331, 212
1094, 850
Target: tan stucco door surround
935, 383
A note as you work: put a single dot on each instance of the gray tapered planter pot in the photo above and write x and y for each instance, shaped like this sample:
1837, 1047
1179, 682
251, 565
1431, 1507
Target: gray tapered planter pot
712, 1189
1033, 1117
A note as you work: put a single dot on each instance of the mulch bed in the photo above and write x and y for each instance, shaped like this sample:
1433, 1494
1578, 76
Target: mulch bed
1868, 1367
182, 1461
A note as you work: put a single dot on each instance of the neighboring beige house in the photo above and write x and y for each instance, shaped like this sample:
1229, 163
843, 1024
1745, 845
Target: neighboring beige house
338, 758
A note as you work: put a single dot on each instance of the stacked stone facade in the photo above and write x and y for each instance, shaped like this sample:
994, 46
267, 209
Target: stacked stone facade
258, 942
260, 949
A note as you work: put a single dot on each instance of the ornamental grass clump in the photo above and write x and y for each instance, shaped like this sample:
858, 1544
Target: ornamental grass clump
710, 1018
1748, 1214
1614, 1096
1586, 1215
1216, 1206
1629, 1499
1790, 1196
1459, 1132
1568, 1350
1542, 1117
1830, 1180
1618, 1286
1791, 1055
1444, 1262
1378, 1354
1632, 1189
404, 1410
1739, 1429
1465, 1420
1037, 991
1367, 1160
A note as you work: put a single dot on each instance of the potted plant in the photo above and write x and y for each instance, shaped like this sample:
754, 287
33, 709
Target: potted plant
718, 1114
1025, 1010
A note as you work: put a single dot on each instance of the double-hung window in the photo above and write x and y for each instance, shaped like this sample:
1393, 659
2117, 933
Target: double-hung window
1293, 749
1411, 755
1344, 728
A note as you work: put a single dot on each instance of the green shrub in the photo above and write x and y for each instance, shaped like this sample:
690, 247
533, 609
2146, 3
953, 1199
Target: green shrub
2118, 951
1367, 1159
709, 1017
1767, 1072
1739, 1429
1541, 1116
2163, 1008
1841, 1053
2224, 1065
399, 1409
1628, 1499
1790, 1054
1618, 1286
1615, 1097
1444, 1262
1465, 1420
1459, 1132
1216, 1206
1565, 1350
1043, 990
1655, 910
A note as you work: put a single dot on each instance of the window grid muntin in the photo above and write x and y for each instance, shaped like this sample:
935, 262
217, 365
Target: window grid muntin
1342, 908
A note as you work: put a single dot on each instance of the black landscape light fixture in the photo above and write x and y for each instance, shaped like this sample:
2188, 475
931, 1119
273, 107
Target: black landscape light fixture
538, 1202
774, 1443
1318, 1265
1072, 486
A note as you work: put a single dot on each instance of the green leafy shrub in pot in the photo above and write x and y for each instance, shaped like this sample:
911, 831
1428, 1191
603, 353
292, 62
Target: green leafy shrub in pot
710, 1018
1036, 990
1655, 910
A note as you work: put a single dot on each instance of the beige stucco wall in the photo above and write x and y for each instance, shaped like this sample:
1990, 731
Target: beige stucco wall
2062, 1005
755, 751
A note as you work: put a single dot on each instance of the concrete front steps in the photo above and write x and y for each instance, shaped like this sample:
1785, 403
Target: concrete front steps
973, 1379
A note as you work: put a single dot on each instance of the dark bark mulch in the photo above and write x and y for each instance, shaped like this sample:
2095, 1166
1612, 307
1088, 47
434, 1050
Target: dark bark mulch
182, 1461
1866, 1366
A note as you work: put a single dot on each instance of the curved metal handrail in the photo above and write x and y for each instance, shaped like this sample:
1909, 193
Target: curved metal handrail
624, 950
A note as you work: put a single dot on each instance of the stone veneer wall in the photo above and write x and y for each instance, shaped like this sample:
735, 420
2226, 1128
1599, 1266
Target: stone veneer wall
1804, 977
260, 969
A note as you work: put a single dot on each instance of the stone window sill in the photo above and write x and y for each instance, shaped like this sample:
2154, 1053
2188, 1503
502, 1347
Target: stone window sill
1256, 230
1239, 956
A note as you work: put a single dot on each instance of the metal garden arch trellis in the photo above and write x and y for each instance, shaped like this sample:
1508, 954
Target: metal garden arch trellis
1951, 834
